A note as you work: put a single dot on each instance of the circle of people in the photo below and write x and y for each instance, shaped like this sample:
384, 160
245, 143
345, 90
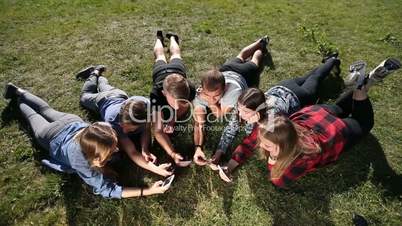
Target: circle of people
292, 134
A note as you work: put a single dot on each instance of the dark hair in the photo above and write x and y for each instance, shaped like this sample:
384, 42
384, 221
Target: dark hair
254, 99
212, 80
133, 112
177, 86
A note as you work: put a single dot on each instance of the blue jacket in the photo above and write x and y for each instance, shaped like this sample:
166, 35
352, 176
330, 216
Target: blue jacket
66, 156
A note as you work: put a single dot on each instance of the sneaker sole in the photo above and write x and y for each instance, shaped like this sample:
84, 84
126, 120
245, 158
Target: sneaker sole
385, 68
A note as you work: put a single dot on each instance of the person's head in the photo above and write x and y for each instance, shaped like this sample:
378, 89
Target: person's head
133, 115
251, 105
177, 91
212, 86
283, 140
98, 142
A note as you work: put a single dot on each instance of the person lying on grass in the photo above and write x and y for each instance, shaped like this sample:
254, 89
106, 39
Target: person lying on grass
75, 146
219, 92
316, 135
129, 116
171, 94
287, 97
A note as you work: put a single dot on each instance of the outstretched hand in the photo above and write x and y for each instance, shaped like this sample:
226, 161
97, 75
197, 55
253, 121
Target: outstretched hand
148, 156
199, 157
164, 169
157, 187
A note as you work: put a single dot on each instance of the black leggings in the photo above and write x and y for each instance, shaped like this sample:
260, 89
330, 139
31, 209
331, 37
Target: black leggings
306, 87
248, 69
357, 115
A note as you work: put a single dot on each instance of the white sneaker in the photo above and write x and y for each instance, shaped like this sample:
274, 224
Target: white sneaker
357, 73
382, 70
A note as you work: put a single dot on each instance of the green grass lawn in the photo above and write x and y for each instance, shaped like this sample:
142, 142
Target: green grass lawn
43, 43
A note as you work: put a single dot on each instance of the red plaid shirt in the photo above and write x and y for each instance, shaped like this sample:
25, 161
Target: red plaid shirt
246, 148
329, 131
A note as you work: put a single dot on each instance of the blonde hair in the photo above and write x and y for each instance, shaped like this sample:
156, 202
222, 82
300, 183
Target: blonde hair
97, 142
292, 139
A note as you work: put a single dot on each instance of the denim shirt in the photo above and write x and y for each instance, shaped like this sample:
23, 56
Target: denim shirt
66, 156
110, 112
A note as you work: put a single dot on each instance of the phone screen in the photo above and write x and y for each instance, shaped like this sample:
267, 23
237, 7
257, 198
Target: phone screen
168, 181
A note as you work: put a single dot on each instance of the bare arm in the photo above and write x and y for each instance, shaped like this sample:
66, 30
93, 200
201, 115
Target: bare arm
128, 146
162, 138
156, 188
146, 138
145, 141
199, 122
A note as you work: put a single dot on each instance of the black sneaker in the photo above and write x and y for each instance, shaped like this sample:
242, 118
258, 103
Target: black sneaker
176, 37
100, 68
88, 71
10, 91
85, 73
264, 41
382, 70
159, 35
329, 56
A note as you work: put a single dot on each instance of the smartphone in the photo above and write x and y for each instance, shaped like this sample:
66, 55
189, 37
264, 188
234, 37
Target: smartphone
223, 174
168, 181
184, 163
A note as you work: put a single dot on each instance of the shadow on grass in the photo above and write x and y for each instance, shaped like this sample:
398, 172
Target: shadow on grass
307, 201
8, 113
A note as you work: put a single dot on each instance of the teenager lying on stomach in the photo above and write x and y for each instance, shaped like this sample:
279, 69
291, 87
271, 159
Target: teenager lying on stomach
315, 136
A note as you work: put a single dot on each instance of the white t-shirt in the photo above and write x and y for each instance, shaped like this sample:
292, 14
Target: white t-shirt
235, 85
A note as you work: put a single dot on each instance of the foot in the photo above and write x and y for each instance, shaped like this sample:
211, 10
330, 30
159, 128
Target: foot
12, 91
330, 56
99, 69
357, 76
85, 73
176, 37
264, 41
159, 35
88, 71
382, 70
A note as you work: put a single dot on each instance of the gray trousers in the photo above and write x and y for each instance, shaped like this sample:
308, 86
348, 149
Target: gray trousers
44, 120
95, 89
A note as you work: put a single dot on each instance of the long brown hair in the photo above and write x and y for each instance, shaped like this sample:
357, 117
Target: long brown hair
254, 99
293, 140
97, 142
